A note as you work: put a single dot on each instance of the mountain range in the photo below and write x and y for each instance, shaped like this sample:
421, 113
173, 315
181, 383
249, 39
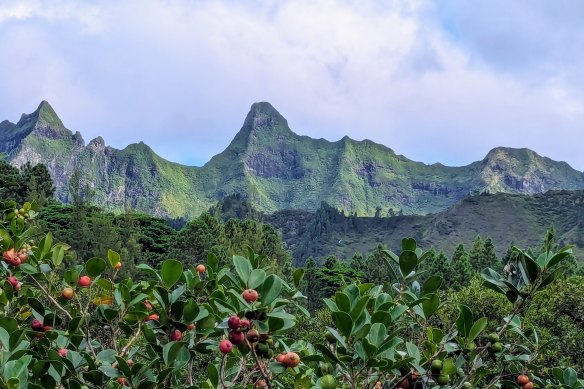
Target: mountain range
275, 169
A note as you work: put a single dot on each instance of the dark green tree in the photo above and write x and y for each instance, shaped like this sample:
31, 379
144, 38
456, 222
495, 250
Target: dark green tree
461, 269
476, 254
37, 184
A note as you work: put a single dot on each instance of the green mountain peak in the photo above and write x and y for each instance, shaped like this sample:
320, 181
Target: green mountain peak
275, 169
44, 121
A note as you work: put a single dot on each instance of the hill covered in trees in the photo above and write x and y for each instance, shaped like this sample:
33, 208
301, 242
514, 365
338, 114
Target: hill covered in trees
505, 218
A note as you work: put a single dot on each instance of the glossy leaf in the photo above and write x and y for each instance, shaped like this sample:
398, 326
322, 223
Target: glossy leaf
171, 272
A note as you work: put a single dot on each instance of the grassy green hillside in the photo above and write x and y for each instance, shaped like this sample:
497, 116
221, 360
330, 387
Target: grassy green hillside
275, 168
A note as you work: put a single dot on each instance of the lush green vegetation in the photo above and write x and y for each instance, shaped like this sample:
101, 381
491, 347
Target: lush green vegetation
276, 169
76, 323
377, 318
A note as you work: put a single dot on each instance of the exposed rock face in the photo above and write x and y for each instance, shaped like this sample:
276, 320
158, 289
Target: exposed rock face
275, 168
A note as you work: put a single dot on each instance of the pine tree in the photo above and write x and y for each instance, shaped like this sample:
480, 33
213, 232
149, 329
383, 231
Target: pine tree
37, 184
438, 265
461, 269
476, 254
489, 257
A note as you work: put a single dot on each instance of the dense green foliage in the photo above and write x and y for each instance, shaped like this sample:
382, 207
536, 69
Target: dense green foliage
505, 219
30, 183
85, 325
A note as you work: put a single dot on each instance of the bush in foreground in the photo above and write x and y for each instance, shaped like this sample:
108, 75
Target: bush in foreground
83, 327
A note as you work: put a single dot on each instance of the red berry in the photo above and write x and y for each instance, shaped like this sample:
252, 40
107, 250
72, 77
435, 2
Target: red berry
234, 322
36, 325
47, 328
250, 295
63, 352
201, 268
118, 266
291, 359
129, 362
522, 379
84, 281
236, 336
225, 346
176, 336
148, 305
13, 281
245, 324
191, 327
67, 293
528, 385
281, 357
122, 381
154, 316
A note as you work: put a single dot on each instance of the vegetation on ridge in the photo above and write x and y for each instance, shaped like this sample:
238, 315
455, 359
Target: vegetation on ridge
276, 169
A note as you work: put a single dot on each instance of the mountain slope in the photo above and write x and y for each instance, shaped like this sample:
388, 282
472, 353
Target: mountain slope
506, 218
275, 168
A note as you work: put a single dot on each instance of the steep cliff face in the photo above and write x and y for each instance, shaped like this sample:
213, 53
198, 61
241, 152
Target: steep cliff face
275, 168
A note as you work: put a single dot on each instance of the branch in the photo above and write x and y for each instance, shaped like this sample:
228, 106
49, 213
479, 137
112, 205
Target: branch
56, 303
262, 372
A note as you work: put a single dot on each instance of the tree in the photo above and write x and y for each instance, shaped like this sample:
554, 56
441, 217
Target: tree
476, 254
438, 265
461, 269
37, 184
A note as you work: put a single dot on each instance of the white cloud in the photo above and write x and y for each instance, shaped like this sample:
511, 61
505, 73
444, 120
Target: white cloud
181, 75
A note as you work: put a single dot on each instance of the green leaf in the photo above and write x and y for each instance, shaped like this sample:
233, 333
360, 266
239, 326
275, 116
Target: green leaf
256, 278
328, 354
432, 284
149, 270
171, 272
45, 244
559, 256
408, 244
343, 322
213, 375
465, 320
337, 336
94, 267
477, 328
270, 290
113, 258
71, 277
36, 306
570, 377
343, 302
377, 334
58, 253
531, 268
170, 351
407, 262
242, 268
431, 305
413, 351
359, 306
298, 275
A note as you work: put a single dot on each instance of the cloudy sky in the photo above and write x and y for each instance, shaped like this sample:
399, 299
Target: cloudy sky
436, 81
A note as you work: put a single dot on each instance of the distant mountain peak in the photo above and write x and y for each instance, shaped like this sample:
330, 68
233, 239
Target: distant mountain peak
262, 116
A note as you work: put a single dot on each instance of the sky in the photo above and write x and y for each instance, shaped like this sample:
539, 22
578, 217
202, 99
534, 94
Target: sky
442, 81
